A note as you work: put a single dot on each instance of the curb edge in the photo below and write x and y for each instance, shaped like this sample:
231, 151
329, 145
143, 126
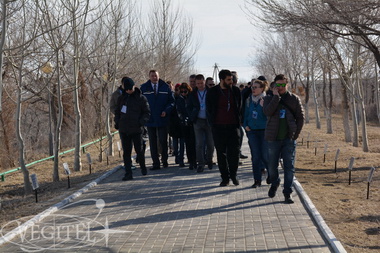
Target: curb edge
17, 231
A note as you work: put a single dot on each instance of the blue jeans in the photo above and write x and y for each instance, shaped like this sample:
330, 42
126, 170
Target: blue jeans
259, 152
287, 150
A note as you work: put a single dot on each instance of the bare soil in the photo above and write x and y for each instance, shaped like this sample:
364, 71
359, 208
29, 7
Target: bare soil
354, 219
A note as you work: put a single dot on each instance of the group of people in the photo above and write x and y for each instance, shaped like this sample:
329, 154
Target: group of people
201, 116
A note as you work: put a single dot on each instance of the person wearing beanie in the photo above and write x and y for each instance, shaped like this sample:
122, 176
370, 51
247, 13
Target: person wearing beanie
262, 78
131, 114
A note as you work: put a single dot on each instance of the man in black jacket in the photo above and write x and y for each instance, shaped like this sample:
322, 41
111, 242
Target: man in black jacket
130, 117
223, 105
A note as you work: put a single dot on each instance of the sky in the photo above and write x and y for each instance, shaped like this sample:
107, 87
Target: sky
224, 33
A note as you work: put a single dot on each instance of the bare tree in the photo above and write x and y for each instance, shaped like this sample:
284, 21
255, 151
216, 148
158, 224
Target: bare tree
18, 62
170, 34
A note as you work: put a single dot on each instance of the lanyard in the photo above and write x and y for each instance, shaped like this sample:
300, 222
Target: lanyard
228, 98
201, 98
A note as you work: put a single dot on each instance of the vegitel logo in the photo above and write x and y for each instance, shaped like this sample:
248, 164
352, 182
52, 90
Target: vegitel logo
60, 232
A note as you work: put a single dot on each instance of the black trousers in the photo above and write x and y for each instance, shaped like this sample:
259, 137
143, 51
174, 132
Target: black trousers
188, 132
160, 134
126, 142
227, 145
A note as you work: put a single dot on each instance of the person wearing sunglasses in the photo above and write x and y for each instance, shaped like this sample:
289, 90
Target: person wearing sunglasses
186, 125
254, 122
175, 131
210, 82
285, 121
131, 114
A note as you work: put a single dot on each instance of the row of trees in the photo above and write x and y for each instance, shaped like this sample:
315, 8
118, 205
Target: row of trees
331, 49
62, 59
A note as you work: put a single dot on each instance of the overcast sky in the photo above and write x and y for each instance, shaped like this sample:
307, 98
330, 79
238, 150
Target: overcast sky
225, 35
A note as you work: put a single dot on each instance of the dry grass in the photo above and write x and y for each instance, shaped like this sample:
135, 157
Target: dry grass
354, 219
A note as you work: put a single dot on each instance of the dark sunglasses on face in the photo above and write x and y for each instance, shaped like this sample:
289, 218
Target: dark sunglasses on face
255, 87
280, 84
183, 92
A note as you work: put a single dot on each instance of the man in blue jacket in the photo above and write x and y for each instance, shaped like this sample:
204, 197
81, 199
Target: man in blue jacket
161, 102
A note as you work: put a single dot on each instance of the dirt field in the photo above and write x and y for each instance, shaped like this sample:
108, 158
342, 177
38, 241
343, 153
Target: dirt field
354, 219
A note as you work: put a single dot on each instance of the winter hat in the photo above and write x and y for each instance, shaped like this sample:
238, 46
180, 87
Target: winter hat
177, 85
128, 83
262, 78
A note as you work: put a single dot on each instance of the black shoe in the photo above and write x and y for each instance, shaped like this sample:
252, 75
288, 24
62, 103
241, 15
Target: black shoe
288, 199
155, 168
268, 180
243, 156
240, 163
235, 181
210, 166
165, 164
181, 165
191, 166
144, 171
127, 177
272, 190
223, 183
200, 169
256, 184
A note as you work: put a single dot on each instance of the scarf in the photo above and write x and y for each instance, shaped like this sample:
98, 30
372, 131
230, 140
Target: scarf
256, 99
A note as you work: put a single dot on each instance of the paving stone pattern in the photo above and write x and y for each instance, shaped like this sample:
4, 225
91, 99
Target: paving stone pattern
176, 210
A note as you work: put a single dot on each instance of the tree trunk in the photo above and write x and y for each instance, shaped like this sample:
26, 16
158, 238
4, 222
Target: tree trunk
355, 141
346, 117
27, 185
329, 107
307, 118
58, 126
78, 116
317, 117
364, 127
2, 43
377, 95
362, 113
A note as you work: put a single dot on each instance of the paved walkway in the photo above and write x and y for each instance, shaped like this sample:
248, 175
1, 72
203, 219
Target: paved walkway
175, 210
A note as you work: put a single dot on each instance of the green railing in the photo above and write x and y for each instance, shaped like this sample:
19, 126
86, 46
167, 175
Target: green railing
83, 147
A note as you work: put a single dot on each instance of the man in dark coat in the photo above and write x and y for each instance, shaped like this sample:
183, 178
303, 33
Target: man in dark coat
131, 115
285, 119
161, 102
223, 105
